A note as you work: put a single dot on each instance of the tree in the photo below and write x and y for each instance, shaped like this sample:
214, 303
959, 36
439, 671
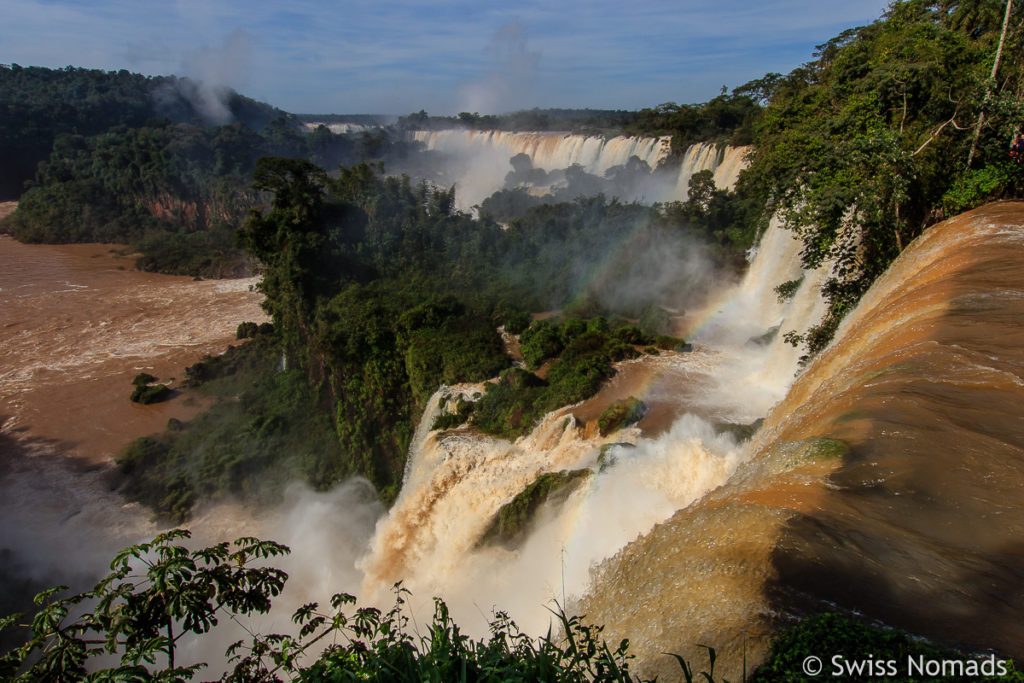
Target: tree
159, 592
862, 149
156, 593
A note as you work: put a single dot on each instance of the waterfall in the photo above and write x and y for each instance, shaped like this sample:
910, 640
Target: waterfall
484, 157
458, 479
914, 518
549, 151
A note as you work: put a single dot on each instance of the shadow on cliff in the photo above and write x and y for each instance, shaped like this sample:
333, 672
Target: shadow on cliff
901, 538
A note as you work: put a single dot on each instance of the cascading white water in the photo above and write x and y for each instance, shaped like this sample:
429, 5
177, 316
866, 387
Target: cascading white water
488, 154
549, 151
752, 308
431, 537
725, 162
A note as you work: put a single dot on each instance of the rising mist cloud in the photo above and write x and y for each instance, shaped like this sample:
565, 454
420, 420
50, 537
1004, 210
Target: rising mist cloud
511, 78
216, 71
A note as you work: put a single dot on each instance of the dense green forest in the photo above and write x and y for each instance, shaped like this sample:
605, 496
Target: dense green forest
165, 165
159, 163
585, 121
893, 127
175, 192
38, 105
380, 291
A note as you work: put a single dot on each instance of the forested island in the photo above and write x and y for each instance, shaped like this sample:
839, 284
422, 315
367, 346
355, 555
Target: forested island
380, 289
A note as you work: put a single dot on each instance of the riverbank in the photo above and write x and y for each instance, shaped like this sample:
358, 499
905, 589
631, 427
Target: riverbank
80, 323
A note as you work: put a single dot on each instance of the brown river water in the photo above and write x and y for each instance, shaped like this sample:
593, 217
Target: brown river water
77, 323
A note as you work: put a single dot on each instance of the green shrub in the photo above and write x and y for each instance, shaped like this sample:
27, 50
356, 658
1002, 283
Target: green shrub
127, 628
654, 320
143, 378
981, 185
631, 334
247, 330
264, 432
539, 342
621, 413
463, 410
513, 518
150, 393
513, 406
570, 329
598, 324
515, 321
787, 289
828, 636
669, 343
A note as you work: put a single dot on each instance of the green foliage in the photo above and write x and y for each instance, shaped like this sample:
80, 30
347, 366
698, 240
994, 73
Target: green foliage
582, 353
265, 431
631, 334
980, 185
726, 118
514, 517
540, 342
146, 392
40, 105
670, 343
787, 290
156, 594
511, 407
142, 379
863, 148
153, 393
514, 405
124, 158
603, 121
246, 330
832, 635
131, 624
463, 409
444, 344
130, 627
621, 413
515, 320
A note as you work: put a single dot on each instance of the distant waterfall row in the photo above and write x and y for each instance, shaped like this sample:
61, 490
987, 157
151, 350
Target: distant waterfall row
487, 154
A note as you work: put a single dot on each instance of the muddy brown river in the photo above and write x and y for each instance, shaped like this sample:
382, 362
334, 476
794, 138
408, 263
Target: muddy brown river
78, 323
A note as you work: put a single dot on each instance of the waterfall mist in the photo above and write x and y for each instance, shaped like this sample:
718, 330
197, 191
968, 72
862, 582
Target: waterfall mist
456, 481
459, 479
478, 164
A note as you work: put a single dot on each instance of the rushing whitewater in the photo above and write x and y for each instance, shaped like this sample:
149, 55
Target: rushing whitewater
914, 518
457, 480
484, 159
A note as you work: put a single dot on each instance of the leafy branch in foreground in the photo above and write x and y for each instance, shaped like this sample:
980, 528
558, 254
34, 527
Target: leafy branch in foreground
155, 595
159, 593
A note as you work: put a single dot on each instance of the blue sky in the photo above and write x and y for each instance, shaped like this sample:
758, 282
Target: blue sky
399, 56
